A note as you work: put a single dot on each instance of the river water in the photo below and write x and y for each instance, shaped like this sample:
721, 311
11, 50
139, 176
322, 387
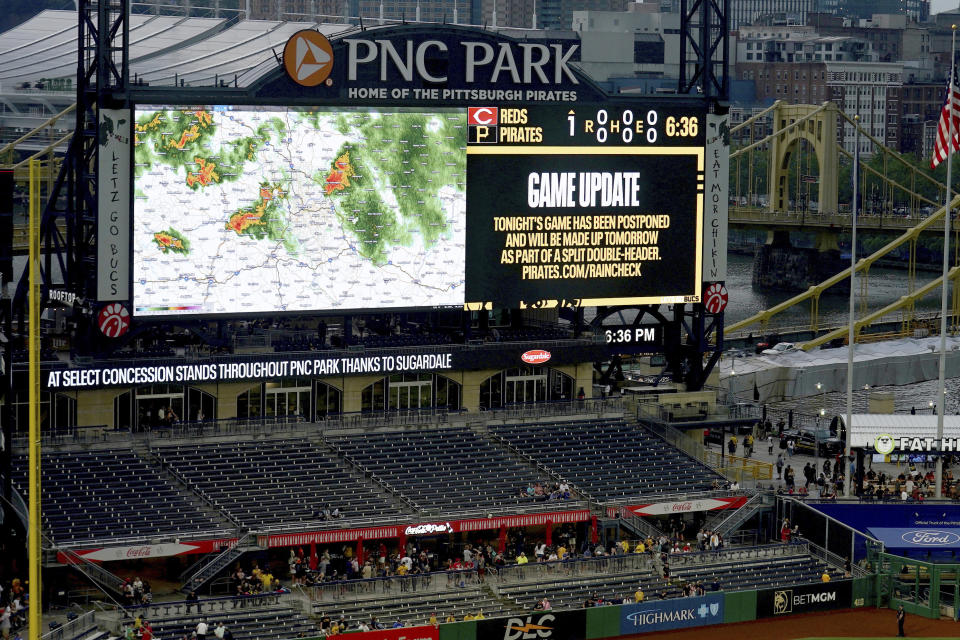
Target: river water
884, 286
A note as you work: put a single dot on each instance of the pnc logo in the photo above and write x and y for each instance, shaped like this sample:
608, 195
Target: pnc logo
519, 629
308, 58
884, 444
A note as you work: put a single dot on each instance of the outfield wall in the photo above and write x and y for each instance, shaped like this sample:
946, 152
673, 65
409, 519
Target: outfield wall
628, 620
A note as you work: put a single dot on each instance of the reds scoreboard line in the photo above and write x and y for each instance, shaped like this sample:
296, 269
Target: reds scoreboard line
347, 180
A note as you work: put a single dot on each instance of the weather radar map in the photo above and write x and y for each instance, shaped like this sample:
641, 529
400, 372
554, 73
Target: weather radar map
257, 209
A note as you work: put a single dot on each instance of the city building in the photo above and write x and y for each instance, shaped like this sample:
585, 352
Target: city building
872, 92
798, 44
622, 44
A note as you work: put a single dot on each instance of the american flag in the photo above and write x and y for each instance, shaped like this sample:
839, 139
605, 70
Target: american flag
940, 150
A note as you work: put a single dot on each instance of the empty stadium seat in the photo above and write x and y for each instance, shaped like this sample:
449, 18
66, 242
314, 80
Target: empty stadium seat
273, 482
94, 495
608, 459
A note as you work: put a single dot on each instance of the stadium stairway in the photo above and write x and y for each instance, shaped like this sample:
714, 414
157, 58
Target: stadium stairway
209, 567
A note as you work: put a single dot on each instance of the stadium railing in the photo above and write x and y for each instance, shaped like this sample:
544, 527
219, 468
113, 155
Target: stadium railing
72, 628
205, 605
534, 572
733, 467
541, 506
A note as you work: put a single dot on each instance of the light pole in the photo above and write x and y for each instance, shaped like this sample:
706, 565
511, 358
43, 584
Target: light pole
816, 433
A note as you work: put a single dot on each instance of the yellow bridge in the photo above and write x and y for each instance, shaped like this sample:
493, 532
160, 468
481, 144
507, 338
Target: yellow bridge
786, 168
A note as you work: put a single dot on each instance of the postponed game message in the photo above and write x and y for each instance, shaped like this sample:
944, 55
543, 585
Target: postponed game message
582, 227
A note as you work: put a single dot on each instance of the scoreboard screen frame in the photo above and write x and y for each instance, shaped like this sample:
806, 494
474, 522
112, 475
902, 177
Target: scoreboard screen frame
552, 133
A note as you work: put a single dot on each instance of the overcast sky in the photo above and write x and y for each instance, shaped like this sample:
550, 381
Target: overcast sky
936, 6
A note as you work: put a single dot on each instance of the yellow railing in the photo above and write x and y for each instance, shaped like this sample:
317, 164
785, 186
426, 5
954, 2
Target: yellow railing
739, 468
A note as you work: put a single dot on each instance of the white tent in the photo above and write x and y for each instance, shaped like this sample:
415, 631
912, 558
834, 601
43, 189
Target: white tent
867, 426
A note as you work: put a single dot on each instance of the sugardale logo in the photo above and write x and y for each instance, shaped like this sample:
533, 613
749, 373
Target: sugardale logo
931, 538
520, 629
660, 616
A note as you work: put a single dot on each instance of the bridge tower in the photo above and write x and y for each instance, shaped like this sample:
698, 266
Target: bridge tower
799, 122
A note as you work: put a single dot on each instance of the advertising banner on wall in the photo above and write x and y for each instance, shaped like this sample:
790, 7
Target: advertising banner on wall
142, 551
113, 205
405, 633
660, 615
218, 369
686, 506
543, 625
715, 209
810, 598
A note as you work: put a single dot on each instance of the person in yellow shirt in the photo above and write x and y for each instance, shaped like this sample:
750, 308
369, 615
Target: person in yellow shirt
479, 615
401, 569
522, 558
467, 617
640, 548
433, 620
639, 595
561, 551
625, 545
825, 577
450, 618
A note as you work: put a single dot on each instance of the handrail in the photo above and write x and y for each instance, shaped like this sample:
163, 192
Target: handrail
153, 609
737, 515
861, 265
215, 565
38, 129
71, 628
534, 572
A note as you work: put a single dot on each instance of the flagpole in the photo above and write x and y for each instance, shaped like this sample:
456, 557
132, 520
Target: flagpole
944, 289
851, 336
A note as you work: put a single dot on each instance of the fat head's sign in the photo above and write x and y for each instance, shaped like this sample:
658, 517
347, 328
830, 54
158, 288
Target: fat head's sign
429, 64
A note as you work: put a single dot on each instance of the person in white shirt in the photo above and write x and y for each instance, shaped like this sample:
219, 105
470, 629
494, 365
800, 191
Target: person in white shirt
202, 630
219, 630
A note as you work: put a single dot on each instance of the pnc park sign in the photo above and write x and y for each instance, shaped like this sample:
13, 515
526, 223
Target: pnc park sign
420, 64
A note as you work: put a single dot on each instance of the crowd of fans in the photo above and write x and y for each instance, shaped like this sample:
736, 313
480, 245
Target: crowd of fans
137, 592
13, 607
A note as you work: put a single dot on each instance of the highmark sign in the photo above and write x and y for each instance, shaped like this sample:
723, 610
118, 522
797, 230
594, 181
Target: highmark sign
661, 615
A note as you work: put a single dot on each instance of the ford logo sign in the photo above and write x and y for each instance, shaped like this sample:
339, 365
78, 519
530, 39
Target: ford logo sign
535, 356
931, 538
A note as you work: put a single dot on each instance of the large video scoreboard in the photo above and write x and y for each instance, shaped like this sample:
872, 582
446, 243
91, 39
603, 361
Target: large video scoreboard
583, 205
256, 209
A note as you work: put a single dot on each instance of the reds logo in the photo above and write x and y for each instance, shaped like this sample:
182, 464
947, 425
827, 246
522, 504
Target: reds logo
113, 320
715, 298
482, 115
